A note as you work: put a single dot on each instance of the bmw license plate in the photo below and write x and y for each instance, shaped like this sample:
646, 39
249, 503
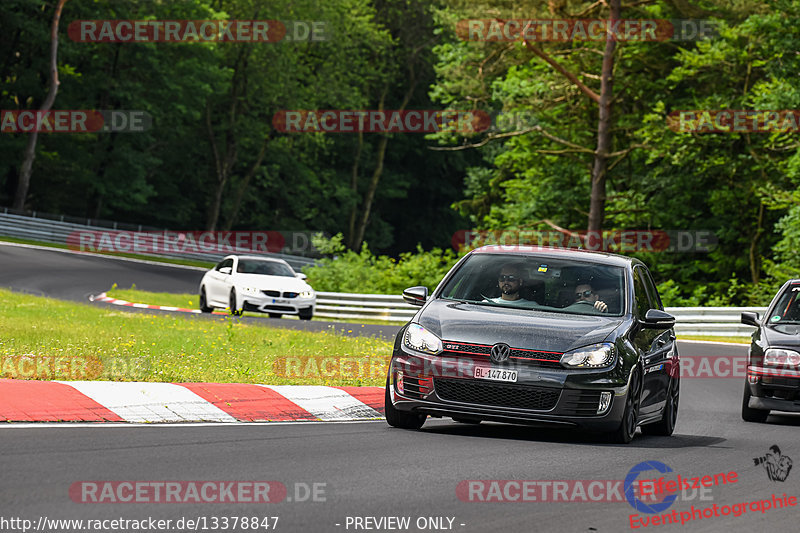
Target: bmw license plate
280, 301
495, 374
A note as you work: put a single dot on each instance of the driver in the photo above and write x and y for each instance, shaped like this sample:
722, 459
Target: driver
510, 282
585, 293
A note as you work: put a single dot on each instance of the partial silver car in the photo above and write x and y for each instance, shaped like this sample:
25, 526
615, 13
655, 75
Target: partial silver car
259, 284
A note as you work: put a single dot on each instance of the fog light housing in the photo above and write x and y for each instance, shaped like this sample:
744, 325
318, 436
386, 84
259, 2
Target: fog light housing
605, 402
398, 381
425, 386
753, 378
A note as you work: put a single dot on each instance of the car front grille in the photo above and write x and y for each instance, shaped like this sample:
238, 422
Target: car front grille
274, 294
271, 307
476, 392
528, 357
290, 294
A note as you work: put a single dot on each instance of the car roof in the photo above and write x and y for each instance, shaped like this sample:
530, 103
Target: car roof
604, 258
257, 257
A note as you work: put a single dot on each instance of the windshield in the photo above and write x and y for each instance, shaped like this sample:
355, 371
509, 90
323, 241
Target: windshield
266, 268
787, 310
539, 283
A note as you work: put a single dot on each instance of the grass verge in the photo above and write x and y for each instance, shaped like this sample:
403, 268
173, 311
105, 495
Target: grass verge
737, 340
50, 339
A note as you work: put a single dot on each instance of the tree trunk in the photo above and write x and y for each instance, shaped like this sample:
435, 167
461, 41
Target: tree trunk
755, 270
598, 196
237, 202
30, 149
351, 227
373, 186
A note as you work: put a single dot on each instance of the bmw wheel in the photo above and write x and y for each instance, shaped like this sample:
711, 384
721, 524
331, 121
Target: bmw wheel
204, 307
235, 311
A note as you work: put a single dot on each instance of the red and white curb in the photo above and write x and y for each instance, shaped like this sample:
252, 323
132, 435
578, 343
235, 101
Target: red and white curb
111, 401
102, 297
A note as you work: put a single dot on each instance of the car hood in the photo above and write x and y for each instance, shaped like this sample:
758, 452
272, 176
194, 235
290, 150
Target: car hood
519, 328
783, 335
260, 281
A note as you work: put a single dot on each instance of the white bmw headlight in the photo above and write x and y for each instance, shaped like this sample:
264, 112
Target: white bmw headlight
594, 356
781, 357
250, 290
420, 339
307, 294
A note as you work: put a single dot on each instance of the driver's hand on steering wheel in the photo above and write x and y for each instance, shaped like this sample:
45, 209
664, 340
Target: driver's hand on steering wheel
601, 306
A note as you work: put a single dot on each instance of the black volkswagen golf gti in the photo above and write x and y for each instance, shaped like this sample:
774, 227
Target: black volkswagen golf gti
532, 335
773, 369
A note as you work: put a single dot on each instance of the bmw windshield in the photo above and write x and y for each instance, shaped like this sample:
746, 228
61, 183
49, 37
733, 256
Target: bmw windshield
539, 283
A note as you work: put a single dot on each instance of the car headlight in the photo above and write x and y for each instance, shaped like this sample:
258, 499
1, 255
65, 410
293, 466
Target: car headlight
781, 357
420, 339
594, 356
307, 294
250, 290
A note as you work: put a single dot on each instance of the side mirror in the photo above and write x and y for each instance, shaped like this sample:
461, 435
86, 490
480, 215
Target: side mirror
226, 270
658, 319
416, 295
749, 318
300, 275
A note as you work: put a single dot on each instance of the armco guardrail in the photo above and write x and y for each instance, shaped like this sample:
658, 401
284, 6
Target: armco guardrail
711, 321
55, 229
364, 306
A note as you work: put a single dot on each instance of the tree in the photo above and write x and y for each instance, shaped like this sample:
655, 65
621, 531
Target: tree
30, 150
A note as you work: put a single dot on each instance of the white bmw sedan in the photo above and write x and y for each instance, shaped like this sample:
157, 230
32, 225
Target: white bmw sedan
264, 285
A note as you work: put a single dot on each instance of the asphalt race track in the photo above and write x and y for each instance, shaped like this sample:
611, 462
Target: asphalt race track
368, 470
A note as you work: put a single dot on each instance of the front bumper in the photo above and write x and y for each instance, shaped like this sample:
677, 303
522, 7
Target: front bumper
774, 389
285, 306
445, 386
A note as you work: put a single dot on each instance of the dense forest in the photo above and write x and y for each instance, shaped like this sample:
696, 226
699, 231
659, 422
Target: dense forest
582, 132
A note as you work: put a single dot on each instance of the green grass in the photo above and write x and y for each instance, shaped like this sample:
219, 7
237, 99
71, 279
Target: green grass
49, 339
157, 259
134, 295
191, 301
738, 340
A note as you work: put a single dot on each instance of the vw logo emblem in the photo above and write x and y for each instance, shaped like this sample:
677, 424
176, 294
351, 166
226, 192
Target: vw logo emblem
500, 352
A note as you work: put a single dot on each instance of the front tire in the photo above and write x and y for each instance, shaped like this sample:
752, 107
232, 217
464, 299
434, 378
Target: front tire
204, 307
630, 416
666, 425
275, 315
305, 316
749, 414
399, 419
235, 311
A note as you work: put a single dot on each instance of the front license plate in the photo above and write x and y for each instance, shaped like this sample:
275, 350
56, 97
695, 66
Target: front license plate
495, 374
280, 301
